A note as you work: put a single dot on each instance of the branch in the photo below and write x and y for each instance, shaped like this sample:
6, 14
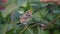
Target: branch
52, 22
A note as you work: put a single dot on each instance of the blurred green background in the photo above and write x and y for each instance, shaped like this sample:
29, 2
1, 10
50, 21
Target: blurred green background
42, 13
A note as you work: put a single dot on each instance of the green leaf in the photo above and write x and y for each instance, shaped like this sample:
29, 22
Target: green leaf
56, 32
44, 32
40, 31
18, 28
28, 31
11, 7
37, 17
10, 31
3, 28
44, 11
35, 29
56, 11
21, 3
50, 16
57, 22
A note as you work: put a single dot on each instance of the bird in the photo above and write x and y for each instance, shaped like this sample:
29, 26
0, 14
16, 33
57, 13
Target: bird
26, 17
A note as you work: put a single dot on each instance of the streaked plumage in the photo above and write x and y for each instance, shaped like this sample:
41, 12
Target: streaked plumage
26, 17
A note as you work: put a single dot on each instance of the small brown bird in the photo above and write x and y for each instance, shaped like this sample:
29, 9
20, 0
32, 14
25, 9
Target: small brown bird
26, 17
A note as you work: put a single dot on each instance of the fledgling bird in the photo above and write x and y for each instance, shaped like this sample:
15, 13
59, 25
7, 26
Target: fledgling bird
26, 17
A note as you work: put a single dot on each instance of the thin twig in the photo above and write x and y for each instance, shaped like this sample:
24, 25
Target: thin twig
28, 29
23, 30
51, 23
33, 25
